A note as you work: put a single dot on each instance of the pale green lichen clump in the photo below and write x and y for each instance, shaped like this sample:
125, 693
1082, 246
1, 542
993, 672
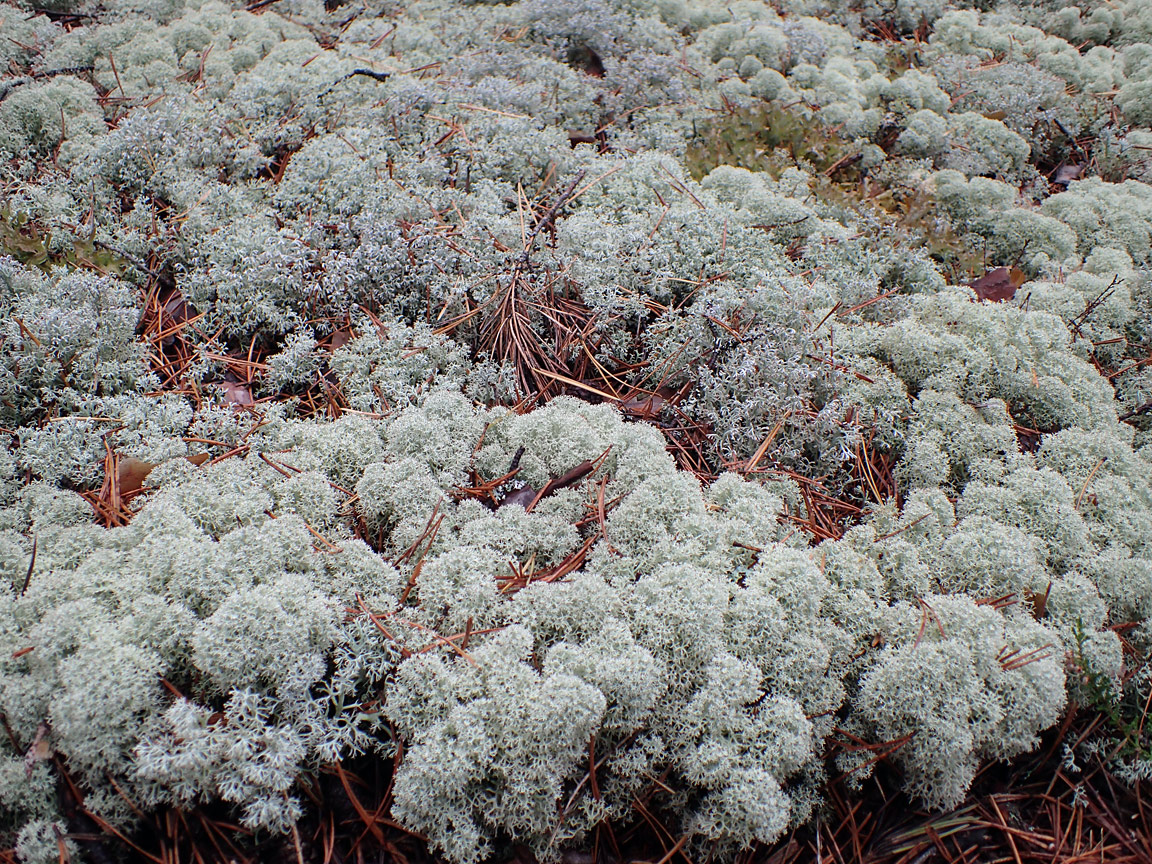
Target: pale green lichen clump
682, 652
331, 583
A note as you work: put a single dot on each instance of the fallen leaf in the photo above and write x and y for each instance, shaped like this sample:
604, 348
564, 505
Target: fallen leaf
1039, 602
1067, 173
523, 496
998, 285
178, 309
175, 311
131, 473
584, 59
40, 750
339, 339
235, 394
996, 115
645, 408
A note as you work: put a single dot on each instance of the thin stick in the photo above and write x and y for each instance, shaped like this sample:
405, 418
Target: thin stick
892, 534
296, 839
548, 218
568, 478
1007, 832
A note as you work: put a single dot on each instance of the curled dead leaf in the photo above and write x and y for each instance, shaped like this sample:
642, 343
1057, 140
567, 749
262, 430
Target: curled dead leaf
131, 473
175, 312
584, 59
1039, 602
645, 408
178, 309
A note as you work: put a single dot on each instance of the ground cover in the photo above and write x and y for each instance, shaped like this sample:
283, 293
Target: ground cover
671, 430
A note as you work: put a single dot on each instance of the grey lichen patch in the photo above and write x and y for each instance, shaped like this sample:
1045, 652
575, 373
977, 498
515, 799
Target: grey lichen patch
675, 648
288, 246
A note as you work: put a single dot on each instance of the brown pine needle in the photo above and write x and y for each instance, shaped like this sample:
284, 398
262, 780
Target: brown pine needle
573, 383
763, 448
1084, 488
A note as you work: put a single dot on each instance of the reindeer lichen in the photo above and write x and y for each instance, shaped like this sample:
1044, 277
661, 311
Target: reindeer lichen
547, 397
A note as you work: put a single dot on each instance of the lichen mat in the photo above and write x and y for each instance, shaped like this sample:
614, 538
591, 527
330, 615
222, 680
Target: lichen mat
586, 414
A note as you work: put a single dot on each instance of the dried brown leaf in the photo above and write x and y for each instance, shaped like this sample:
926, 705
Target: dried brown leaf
999, 284
1067, 173
644, 408
523, 496
40, 750
177, 309
131, 473
235, 394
